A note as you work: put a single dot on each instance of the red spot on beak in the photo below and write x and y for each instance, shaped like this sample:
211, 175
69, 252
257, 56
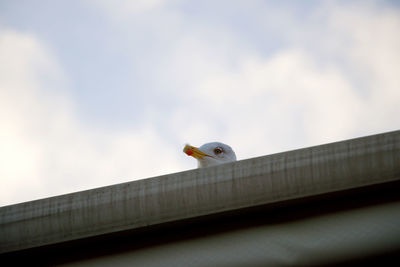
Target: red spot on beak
189, 152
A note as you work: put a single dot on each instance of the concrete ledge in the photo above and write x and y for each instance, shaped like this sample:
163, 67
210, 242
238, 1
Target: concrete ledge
257, 181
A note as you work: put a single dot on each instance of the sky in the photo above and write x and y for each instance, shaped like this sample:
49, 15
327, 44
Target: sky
96, 92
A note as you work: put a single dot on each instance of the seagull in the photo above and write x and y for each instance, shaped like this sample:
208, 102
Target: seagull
211, 154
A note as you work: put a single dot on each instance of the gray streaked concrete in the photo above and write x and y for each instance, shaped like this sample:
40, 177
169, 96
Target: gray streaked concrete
269, 179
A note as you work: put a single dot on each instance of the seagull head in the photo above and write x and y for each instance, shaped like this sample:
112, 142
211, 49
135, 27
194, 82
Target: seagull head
211, 154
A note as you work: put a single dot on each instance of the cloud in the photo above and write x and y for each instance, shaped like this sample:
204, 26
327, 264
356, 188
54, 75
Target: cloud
122, 10
373, 51
334, 76
336, 80
45, 149
269, 103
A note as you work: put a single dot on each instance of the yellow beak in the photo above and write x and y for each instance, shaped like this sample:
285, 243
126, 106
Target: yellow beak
194, 152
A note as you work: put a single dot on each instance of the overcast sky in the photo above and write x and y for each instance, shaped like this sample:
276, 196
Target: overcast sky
94, 93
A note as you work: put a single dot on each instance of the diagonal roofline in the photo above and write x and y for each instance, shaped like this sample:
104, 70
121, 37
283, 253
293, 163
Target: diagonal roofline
247, 183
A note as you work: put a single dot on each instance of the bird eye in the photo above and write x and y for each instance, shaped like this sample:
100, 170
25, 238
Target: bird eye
217, 151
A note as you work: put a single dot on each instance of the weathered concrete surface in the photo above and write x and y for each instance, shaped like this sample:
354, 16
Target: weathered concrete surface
269, 179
